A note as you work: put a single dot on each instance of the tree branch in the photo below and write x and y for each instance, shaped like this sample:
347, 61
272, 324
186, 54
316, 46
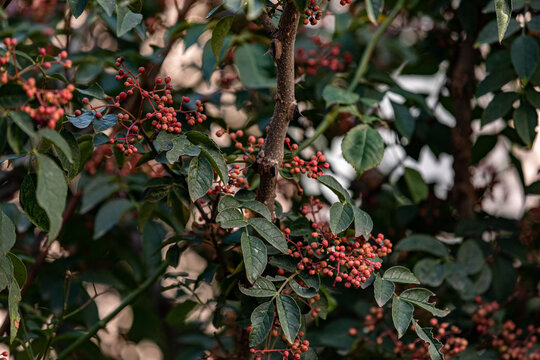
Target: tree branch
271, 156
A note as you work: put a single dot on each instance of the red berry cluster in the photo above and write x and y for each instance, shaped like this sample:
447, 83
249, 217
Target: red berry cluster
512, 342
50, 102
349, 260
164, 116
313, 12
237, 180
326, 55
250, 146
293, 351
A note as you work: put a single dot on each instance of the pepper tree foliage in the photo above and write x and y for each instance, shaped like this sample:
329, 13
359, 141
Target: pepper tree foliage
111, 174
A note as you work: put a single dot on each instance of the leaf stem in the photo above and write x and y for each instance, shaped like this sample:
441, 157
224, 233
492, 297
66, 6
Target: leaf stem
100, 324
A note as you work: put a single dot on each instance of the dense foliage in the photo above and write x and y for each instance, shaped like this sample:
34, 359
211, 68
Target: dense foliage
253, 184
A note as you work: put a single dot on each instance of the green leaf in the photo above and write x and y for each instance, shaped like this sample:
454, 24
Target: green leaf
525, 122
126, 20
105, 122
58, 141
12, 96
109, 214
363, 148
341, 216
383, 290
417, 187
252, 64
219, 33
429, 271
489, 33
14, 298
228, 202
7, 233
270, 233
505, 276
215, 157
420, 297
503, 9
363, 225
402, 313
82, 121
261, 288
231, 218
24, 122
373, 8
200, 177
405, 123
457, 277
107, 5
289, 316
19, 270
524, 57
335, 95
305, 292
258, 207
301, 4
499, 107
470, 256
495, 81
483, 282
313, 281
334, 185
77, 7
51, 192
28, 201
255, 258
400, 274
262, 319
421, 242
97, 190
434, 344
71, 167
6, 272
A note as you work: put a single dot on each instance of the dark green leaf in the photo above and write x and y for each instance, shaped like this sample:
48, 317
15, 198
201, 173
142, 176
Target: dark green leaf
405, 123
525, 122
126, 20
262, 319
420, 297
270, 233
12, 96
231, 218
7, 233
429, 271
219, 33
58, 141
400, 274
105, 122
97, 190
28, 200
383, 290
289, 316
334, 95
19, 270
254, 253
77, 7
109, 214
71, 167
261, 288
470, 256
24, 122
228, 202
6, 272
305, 292
525, 57
301, 4
341, 216
252, 63
489, 33
363, 225
215, 157
14, 298
420, 242
505, 278
402, 313
200, 177
257, 207
82, 120
51, 192
495, 81
483, 282
499, 107
107, 5
334, 185
417, 187
434, 344
363, 148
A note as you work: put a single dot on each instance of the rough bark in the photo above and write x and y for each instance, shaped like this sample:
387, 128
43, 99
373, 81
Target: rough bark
282, 50
461, 90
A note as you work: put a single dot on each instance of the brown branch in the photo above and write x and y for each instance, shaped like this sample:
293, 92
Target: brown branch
271, 156
268, 24
461, 90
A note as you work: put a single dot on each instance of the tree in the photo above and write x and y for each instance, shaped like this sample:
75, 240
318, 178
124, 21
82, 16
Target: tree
116, 178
